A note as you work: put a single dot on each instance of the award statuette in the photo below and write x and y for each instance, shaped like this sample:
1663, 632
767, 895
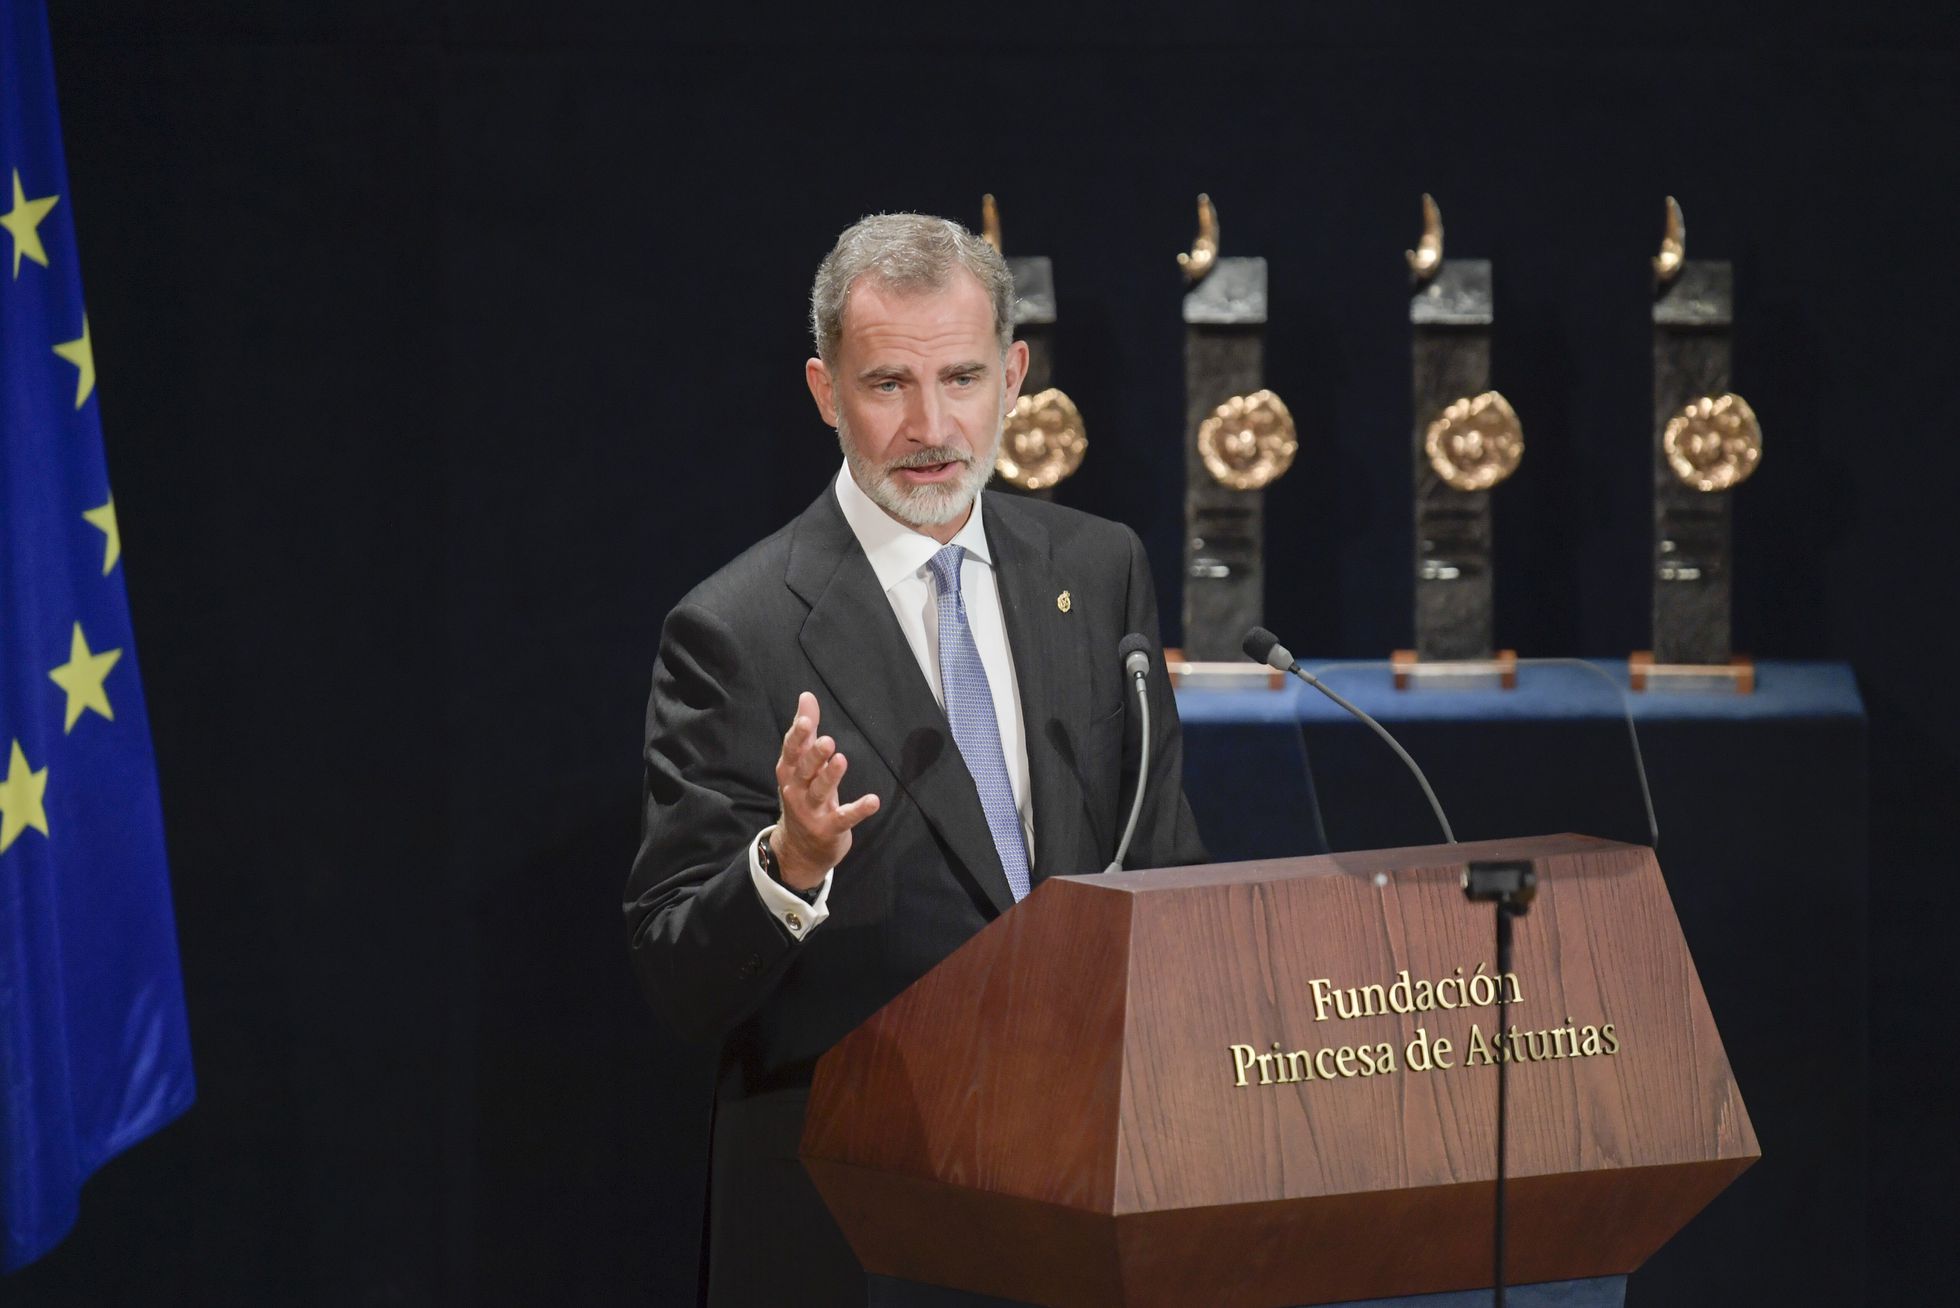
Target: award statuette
1239, 438
1706, 442
1042, 441
1467, 440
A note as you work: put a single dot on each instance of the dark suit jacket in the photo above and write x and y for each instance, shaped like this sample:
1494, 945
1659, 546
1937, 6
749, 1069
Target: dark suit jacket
800, 611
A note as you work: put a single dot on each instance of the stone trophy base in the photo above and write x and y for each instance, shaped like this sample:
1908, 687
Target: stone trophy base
1499, 672
1192, 674
1738, 675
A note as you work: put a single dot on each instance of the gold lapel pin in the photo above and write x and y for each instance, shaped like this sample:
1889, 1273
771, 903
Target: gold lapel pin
1062, 601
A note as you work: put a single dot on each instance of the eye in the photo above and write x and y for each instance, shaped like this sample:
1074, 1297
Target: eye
965, 379
885, 387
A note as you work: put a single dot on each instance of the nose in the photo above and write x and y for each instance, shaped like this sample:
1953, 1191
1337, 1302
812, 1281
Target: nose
925, 416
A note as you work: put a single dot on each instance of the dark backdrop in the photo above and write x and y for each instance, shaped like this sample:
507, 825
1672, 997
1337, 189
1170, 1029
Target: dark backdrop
444, 346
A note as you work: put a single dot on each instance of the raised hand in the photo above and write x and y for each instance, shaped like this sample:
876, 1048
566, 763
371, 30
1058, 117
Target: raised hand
814, 832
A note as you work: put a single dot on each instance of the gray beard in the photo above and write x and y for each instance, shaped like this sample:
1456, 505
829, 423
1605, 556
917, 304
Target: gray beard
923, 506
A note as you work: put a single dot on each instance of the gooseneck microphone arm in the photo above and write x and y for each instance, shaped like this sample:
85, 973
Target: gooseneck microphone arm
1135, 652
1262, 646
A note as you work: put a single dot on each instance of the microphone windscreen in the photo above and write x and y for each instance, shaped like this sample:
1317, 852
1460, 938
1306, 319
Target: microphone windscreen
1259, 644
1134, 643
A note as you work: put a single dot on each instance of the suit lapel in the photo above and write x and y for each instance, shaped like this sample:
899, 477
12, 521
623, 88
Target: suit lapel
1049, 651
854, 642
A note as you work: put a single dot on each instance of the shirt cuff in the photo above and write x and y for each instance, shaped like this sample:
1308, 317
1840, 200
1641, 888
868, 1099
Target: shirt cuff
797, 916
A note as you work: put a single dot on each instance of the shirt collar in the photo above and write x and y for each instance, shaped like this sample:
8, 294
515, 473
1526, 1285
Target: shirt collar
895, 550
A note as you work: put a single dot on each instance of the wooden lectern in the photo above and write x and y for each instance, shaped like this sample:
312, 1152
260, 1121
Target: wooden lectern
1274, 1083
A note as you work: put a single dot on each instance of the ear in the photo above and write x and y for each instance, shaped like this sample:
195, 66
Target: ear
1015, 370
822, 389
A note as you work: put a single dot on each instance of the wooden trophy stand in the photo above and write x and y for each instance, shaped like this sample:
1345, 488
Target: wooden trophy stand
1499, 670
1738, 674
1274, 1083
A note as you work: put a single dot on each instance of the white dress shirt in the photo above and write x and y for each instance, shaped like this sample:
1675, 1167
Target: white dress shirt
899, 556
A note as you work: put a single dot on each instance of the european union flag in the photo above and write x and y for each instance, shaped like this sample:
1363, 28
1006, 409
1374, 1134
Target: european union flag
94, 1048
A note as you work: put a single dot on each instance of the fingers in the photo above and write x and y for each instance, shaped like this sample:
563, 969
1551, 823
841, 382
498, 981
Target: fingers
793, 764
802, 727
808, 773
815, 759
829, 770
849, 815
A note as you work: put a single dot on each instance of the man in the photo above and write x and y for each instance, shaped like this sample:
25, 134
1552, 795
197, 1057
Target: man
880, 727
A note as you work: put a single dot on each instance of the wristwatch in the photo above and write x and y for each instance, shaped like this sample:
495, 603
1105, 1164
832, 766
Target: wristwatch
766, 856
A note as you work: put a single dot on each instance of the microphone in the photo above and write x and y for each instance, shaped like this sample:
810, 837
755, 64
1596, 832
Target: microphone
1262, 646
1135, 653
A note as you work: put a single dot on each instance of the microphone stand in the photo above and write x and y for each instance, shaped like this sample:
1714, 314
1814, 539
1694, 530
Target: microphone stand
1262, 646
1137, 666
1509, 886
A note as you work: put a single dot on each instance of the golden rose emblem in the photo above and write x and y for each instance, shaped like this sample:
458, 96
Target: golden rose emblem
1248, 441
1042, 442
1714, 443
1475, 442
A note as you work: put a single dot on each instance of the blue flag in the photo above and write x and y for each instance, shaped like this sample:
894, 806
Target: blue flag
94, 1047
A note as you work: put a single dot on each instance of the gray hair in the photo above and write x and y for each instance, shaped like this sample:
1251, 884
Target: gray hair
907, 252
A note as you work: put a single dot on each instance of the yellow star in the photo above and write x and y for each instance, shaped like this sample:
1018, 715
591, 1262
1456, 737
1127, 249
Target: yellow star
104, 520
82, 354
22, 220
20, 800
82, 676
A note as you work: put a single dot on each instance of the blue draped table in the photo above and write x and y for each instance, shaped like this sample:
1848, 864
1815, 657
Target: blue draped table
1761, 802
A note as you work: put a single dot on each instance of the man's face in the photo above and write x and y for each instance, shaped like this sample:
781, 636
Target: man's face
918, 392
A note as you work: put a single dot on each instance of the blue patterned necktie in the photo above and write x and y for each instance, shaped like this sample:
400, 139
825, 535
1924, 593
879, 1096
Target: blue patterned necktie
970, 709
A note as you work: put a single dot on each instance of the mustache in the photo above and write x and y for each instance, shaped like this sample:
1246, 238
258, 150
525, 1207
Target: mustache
931, 456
